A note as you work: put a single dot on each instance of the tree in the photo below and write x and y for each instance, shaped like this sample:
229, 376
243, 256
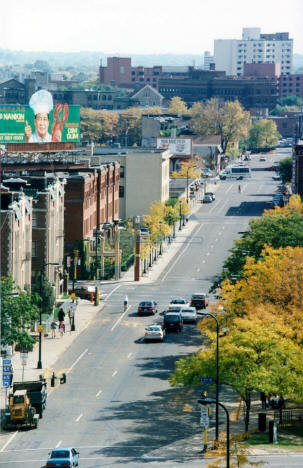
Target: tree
43, 65
187, 169
263, 134
153, 110
252, 358
281, 227
291, 100
18, 314
91, 127
177, 106
285, 169
43, 295
228, 119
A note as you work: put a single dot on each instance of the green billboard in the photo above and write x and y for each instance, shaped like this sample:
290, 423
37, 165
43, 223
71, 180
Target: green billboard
19, 124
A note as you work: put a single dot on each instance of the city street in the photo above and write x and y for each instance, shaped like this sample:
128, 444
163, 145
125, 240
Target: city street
117, 407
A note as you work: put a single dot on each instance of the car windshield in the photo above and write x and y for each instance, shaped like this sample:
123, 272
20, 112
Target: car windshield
60, 454
142, 304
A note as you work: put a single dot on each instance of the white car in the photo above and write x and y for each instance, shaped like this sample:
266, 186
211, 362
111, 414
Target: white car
189, 314
263, 158
178, 302
154, 332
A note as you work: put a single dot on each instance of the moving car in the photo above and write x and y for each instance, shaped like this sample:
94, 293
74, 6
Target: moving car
199, 301
189, 314
147, 307
276, 177
211, 194
178, 302
262, 158
154, 332
172, 321
63, 457
207, 199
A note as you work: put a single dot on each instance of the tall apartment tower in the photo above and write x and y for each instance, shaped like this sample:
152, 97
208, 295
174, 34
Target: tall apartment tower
208, 60
254, 47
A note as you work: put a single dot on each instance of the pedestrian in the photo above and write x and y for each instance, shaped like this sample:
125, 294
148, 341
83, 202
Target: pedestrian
263, 400
71, 314
281, 403
125, 303
61, 329
53, 328
61, 315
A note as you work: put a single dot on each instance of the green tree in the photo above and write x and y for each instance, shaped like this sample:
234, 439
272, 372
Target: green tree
18, 313
263, 134
43, 295
291, 100
227, 119
252, 358
177, 106
285, 169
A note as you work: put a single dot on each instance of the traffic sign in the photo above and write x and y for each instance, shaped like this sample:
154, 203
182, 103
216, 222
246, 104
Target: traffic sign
206, 379
6, 380
204, 418
40, 328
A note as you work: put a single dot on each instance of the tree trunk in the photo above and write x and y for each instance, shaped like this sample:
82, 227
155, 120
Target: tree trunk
247, 400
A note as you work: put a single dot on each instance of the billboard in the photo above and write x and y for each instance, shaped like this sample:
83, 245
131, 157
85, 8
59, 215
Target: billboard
177, 146
19, 124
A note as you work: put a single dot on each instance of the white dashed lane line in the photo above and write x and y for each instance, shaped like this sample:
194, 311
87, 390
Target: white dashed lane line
79, 417
116, 372
99, 393
58, 444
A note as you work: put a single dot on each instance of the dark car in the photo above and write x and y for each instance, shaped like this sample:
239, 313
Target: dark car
172, 322
84, 292
147, 307
199, 301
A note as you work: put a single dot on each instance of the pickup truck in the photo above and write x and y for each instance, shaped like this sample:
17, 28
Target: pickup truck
199, 301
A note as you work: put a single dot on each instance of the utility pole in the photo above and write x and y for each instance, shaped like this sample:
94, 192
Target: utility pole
117, 249
137, 248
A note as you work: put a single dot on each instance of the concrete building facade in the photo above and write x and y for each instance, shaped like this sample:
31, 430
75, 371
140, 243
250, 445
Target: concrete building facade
16, 237
144, 179
230, 55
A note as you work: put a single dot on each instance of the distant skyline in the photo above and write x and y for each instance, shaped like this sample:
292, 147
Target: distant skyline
135, 27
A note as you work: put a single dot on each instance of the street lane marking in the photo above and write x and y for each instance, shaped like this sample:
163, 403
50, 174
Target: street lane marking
79, 417
58, 444
99, 393
208, 253
226, 191
76, 361
129, 355
120, 318
116, 372
216, 240
108, 296
9, 441
211, 246
198, 269
182, 253
203, 261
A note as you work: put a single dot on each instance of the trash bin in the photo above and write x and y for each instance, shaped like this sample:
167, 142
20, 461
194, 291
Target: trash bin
262, 422
273, 432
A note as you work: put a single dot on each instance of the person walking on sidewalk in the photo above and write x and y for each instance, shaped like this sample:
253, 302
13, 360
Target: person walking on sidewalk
61, 315
71, 315
61, 329
125, 303
53, 328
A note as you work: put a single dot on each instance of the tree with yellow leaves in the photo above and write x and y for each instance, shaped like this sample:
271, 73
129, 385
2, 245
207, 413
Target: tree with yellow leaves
153, 110
188, 169
177, 106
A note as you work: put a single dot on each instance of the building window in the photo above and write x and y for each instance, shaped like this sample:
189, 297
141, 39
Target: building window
34, 219
34, 248
121, 191
122, 172
122, 70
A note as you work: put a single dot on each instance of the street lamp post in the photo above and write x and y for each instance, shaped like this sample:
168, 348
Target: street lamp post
160, 224
39, 364
187, 185
180, 214
217, 372
96, 233
209, 402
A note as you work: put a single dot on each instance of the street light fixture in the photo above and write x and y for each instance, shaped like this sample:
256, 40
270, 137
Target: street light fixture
39, 364
206, 314
204, 402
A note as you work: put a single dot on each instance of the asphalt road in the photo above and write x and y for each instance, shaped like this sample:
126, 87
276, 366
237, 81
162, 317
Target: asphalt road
117, 407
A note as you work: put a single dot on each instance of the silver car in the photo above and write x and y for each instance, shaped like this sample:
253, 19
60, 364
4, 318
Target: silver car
189, 314
154, 332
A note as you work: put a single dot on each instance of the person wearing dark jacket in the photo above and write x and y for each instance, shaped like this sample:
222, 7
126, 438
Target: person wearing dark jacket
61, 315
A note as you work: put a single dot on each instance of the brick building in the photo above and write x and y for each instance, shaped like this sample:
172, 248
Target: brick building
120, 72
291, 85
16, 236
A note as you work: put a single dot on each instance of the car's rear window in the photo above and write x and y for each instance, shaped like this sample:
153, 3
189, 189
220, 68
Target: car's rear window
198, 296
142, 304
178, 301
153, 328
172, 318
60, 454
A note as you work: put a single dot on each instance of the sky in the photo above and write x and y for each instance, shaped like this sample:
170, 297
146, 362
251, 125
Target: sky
142, 27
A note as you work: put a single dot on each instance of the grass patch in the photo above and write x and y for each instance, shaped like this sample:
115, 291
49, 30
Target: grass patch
261, 440
295, 429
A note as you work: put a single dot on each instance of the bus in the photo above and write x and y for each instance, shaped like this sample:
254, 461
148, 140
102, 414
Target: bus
237, 171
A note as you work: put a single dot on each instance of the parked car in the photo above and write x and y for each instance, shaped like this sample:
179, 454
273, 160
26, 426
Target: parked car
207, 199
83, 291
262, 158
178, 302
172, 321
63, 457
199, 301
211, 194
189, 314
144, 231
222, 176
154, 332
147, 307
276, 177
